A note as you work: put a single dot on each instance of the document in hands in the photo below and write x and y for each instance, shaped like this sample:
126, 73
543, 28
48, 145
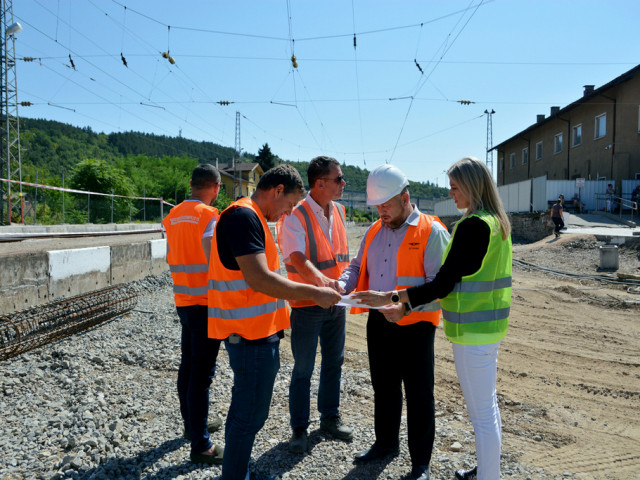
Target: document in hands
349, 301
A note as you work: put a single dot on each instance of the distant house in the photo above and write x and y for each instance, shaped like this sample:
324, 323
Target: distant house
597, 137
241, 179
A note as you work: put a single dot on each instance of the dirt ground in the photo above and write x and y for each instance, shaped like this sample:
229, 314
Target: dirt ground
569, 368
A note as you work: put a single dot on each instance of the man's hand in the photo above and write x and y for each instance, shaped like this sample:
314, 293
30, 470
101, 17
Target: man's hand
372, 298
324, 281
393, 313
327, 297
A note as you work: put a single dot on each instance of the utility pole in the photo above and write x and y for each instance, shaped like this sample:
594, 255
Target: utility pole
10, 129
489, 159
237, 152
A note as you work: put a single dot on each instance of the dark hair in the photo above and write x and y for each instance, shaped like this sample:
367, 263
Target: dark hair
284, 175
204, 176
320, 167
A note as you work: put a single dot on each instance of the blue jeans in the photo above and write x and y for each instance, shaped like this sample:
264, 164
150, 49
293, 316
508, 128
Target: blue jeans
254, 372
308, 324
197, 367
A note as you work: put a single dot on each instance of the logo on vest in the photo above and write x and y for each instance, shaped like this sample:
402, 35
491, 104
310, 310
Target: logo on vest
414, 245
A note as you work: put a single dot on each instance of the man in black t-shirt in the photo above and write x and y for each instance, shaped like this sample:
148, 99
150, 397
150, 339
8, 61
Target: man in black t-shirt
245, 306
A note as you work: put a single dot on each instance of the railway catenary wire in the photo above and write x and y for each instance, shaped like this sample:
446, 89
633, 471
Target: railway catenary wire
28, 329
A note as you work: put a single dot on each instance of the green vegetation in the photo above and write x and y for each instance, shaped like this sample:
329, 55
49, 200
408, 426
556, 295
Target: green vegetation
132, 164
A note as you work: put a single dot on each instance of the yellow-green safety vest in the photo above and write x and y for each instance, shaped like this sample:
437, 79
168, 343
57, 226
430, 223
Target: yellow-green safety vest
476, 312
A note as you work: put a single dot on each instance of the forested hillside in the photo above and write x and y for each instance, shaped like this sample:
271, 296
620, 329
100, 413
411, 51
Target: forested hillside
133, 163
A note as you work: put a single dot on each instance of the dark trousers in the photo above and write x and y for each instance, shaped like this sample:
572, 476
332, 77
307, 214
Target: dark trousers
397, 355
558, 223
197, 367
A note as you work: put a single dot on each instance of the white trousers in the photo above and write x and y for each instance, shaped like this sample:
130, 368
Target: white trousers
477, 368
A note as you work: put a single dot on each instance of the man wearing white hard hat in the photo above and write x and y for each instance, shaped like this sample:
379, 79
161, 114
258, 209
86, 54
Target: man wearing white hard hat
403, 248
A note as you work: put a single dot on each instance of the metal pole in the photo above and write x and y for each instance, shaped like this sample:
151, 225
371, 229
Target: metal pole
112, 205
89, 208
35, 206
144, 204
63, 198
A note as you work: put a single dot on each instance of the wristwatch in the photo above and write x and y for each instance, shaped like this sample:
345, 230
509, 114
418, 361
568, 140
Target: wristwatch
395, 298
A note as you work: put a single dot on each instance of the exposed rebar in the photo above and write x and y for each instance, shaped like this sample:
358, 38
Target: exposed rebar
28, 329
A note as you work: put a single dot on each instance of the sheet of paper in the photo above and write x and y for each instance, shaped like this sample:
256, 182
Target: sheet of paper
349, 301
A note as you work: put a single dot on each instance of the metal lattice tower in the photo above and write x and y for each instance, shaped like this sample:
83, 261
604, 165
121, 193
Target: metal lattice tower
237, 186
11, 168
489, 159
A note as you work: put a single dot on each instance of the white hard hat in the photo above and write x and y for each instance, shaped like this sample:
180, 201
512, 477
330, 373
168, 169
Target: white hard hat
383, 183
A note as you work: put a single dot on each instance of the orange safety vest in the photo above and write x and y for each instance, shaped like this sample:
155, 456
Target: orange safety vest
409, 269
331, 260
234, 307
185, 225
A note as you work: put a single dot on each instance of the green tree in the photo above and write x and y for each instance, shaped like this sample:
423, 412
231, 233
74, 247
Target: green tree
95, 175
265, 158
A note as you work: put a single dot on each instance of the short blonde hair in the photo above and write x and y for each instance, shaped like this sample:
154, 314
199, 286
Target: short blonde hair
476, 183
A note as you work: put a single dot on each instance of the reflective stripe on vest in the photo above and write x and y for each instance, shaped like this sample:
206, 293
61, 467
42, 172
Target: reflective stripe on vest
234, 307
485, 286
477, 309
409, 261
197, 268
475, 317
240, 313
185, 224
191, 291
335, 256
232, 285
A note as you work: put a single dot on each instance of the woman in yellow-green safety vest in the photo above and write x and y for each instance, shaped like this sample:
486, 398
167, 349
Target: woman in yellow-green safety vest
474, 285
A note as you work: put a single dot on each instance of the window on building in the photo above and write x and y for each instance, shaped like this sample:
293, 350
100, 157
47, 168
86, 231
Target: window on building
512, 160
577, 136
539, 151
525, 156
557, 143
601, 125
502, 164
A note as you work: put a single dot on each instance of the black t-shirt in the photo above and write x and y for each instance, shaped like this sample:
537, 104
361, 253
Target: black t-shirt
469, 247
239, 232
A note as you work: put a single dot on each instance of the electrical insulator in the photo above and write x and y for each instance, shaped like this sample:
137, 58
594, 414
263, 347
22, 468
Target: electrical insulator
172, 61
465, 102
28, 59
294, 61
165, 55
224, 102
25, 104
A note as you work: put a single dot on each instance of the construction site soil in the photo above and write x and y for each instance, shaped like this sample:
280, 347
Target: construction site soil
569, 368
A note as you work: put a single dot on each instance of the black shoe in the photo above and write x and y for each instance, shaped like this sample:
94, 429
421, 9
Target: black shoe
467, 474
420, 472
212, 456
299, 441
376, 453
334, 426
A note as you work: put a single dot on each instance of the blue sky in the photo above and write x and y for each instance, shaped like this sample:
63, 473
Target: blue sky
364, 106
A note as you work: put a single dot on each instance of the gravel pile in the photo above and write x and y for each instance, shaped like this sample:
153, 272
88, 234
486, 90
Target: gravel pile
103, 405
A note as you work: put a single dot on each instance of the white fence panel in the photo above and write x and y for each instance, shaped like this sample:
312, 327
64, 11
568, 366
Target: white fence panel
445, 208
539, 197
515, 196
568, 189
627, 188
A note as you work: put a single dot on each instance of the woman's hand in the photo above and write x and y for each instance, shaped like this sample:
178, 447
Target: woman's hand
373, 298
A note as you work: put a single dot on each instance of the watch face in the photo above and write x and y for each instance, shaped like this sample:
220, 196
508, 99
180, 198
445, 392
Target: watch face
395, 298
